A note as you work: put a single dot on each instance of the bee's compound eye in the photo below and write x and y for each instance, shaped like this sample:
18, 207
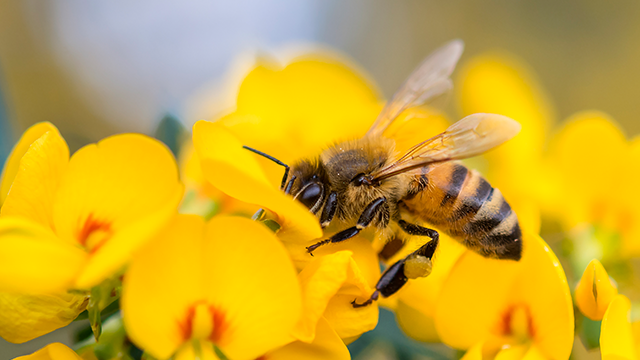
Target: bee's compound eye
310, 195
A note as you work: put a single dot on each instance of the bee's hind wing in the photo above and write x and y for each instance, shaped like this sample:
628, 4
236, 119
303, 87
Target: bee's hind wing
429, 80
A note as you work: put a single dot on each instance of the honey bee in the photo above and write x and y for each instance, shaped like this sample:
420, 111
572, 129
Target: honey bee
364, 181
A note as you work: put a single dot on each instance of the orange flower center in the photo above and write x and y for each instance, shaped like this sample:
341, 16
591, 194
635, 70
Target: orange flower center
94, 233
517, 323
203, 322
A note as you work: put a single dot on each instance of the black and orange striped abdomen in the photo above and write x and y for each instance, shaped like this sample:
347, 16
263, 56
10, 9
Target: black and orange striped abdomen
463, 204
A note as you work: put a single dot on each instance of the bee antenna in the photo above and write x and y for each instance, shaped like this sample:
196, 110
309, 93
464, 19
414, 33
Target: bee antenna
286, 167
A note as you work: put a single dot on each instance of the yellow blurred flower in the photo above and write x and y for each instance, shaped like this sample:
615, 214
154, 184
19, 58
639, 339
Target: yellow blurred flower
499, 308
619, 338
592, 170
55, 351
595, 291
69, 223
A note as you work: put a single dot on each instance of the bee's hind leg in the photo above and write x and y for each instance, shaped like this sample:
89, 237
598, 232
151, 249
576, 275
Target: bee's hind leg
415, 265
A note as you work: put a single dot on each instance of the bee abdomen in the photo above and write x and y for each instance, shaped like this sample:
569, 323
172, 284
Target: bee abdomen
463, 204
494, 230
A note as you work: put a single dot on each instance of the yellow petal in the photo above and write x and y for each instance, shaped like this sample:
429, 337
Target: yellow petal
116, 194
305, 85
347, 321
163, 281
543, 287
586, 198
320, 281
55, 351
34, 260
326, 345
204, 351
595, 291
512, 353
25, 317
296, 111
616, 336
474, 353
335, 276
12, 165
416, 324
38, 178
193, 178
252, 286
235, 171
480, 293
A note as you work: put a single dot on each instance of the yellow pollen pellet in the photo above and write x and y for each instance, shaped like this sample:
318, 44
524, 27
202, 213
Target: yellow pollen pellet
417, 266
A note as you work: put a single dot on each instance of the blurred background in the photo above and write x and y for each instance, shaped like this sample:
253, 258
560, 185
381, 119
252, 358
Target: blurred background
96, 68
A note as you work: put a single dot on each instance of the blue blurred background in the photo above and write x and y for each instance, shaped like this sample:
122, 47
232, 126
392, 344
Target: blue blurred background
95, 68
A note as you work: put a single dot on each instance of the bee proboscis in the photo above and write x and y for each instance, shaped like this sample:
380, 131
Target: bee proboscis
363, 181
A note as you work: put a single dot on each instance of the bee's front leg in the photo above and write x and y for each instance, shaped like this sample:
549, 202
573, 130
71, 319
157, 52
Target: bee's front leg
415, 265
372, 210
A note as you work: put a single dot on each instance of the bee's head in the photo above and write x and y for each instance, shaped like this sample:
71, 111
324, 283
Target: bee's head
310, 185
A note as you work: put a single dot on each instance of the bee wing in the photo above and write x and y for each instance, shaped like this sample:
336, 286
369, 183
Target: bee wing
429, 80
468, 137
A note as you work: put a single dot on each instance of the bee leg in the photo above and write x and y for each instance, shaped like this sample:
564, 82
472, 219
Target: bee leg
415, 265
329, 210
373, 298
370, 212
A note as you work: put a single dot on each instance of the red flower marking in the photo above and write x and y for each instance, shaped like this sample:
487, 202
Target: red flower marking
91, 226
220, 324
186, 326
507, 317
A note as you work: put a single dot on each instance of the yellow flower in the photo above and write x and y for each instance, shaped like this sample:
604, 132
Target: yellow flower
227, 283
595, 291
71, 223
618, 336
54, 351
593, 170
495, 307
